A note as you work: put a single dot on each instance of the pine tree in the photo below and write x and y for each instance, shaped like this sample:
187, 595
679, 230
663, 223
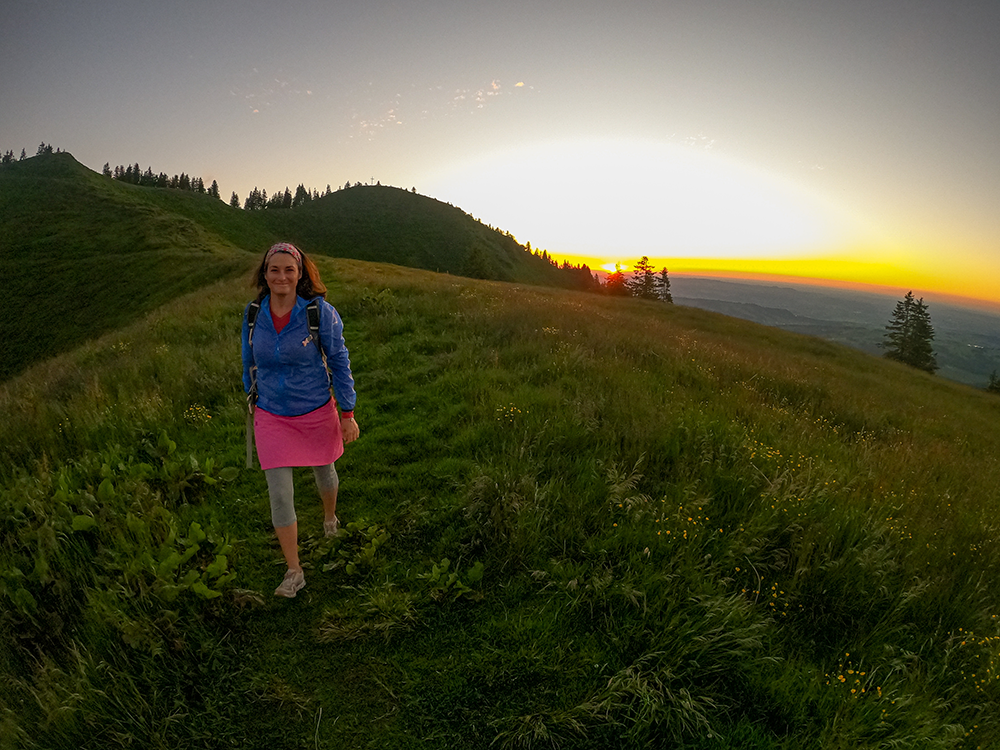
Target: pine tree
643, 281
255, 200
615, 284
994, 384
663, 287
301, 197
909, 334
234, 200
894, 341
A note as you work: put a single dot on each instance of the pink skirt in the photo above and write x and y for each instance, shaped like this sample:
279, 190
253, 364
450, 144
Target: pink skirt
311, 439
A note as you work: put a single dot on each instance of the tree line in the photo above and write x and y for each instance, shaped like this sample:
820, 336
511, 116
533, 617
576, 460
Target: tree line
644, 283
134, 175
257, 200
43, 148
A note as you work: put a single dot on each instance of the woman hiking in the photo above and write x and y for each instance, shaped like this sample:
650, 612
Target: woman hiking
293, 355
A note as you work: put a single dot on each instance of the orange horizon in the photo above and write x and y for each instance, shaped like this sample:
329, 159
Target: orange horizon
875, 278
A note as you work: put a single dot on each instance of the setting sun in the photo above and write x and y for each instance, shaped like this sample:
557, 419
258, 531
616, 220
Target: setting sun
608, 202
608, 199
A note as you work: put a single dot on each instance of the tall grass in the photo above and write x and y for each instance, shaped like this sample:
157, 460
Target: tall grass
570, 522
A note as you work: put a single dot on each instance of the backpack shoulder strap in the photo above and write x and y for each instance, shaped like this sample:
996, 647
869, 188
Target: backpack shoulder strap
312, 315
252, 309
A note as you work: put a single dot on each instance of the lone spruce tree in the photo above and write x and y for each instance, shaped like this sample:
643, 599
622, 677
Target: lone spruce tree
643, 281
663, 287
909, 334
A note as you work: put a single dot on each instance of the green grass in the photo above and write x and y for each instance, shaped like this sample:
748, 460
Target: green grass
571, 521
81, 254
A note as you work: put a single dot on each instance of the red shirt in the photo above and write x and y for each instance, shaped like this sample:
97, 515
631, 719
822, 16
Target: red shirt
280, 321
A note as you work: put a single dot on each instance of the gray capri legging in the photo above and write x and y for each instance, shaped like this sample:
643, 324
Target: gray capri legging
281, 490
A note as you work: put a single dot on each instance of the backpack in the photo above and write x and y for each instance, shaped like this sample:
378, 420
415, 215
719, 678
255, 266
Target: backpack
312, 318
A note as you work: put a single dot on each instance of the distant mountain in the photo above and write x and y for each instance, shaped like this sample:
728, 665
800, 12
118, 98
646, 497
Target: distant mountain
81, 253
967, 341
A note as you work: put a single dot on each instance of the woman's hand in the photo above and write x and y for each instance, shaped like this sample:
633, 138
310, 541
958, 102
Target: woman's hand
350, 430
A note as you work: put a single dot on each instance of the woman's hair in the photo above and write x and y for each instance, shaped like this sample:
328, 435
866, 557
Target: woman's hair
310, 284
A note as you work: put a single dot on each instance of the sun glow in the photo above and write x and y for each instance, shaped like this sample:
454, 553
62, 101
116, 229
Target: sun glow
610, 199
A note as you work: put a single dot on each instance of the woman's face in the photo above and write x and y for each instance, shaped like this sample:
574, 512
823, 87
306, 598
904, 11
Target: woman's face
282, 274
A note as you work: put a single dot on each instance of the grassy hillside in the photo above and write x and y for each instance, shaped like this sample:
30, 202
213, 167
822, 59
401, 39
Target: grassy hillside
70, 237
391, 225
81, 254
571, 521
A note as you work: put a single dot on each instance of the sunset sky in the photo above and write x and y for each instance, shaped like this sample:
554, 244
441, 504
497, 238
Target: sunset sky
853, 141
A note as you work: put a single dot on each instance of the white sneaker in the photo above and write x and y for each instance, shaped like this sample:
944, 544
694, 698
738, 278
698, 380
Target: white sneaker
291, 584
331, 527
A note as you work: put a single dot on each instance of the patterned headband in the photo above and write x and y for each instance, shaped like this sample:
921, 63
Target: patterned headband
284, 247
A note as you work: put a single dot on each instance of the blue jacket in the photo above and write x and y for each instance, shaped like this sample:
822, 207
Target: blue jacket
290, 376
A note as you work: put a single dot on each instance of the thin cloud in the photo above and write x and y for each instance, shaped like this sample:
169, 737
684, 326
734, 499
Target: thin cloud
367, 120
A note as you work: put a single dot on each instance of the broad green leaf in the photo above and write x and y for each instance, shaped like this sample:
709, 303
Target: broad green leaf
84, 523
168, 566
105, 491
190, 578
223, 580
204, 591
218, 567
196, 534
166, 444
475, 573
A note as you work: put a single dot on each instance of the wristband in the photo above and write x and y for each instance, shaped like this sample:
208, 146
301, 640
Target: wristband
347, 414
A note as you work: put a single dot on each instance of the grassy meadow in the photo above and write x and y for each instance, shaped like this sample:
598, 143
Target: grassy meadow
70, 237
570, 521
